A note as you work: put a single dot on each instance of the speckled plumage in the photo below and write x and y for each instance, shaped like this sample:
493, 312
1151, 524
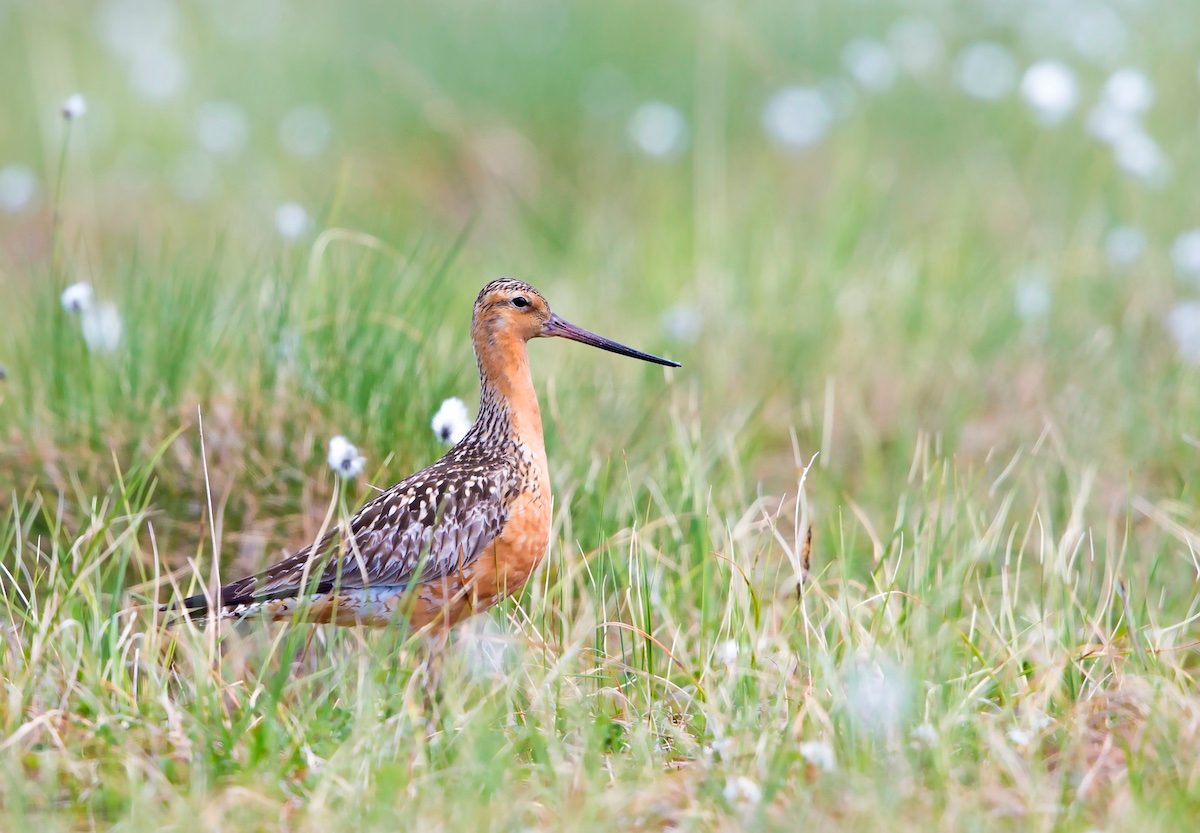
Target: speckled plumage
451, 539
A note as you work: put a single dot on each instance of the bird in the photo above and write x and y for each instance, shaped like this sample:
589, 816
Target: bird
453, 539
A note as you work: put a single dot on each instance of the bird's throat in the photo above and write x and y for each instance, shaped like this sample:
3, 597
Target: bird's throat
507, 398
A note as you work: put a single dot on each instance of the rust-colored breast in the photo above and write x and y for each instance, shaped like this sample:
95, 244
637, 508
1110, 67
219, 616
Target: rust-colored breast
500, 570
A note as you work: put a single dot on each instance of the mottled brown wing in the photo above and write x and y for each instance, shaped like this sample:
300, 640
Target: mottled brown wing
435, 522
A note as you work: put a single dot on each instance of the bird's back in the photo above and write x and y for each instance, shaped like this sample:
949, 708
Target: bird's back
434, 546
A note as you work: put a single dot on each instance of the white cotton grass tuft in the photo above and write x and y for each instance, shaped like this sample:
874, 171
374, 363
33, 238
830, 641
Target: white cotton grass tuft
1183, 326
727, 652
1032, 296
1139, 155
452, 421
143, 33
1116, 120
486, 649
344, 458
18, 187
101, 326
77, 297
128, 26
986, 70
157, 72
222, 128
798, 117
1019, 737
1110, 124
917, 44
742, 792
1129, 90
1033, 721
925, 735
1185, 255
818, 754
723, 747
1124, 245
878, 696
1096, 30
1051, 91
682, 323
99, 322
291, 220
658, 130
870, 63
74, 107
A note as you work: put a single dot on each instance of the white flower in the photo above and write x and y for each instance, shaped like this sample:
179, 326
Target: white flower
925, 735
1123, 245
305, 131
486, 649
797, 117
1050, 88
291, 220
682, 323
74, 107
658, 129
1039, 720
742, 793
344, 458
1140, 156
142, 32
877, 696
77, 297
222, 128
917, 44
1096, 30
818, 754
128, 26
870, 63
1110, 124
1185, 255
1032, 296
1183, 325
986, 70
728, 652
451, 422
101, 326
287, 348
1129, 90
156, 71
723, 747
1020, 737
18, 187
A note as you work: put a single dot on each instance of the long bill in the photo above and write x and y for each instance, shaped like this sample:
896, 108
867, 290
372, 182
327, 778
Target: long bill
560, 328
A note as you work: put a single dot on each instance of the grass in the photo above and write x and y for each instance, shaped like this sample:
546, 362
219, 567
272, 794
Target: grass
998, 629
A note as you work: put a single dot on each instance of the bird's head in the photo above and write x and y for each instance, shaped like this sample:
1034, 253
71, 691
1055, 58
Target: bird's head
508, 308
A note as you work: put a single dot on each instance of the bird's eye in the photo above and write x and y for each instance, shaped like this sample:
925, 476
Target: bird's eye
520, 301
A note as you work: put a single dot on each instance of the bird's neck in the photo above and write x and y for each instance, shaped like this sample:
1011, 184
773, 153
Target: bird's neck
508, 406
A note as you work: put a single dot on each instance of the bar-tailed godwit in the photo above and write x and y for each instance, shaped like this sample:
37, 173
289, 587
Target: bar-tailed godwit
455, 538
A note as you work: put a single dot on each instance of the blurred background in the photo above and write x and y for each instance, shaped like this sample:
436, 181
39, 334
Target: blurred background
947, 252
865, 228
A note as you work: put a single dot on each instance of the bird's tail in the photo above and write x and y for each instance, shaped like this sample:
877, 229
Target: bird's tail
234, 603
230, 602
